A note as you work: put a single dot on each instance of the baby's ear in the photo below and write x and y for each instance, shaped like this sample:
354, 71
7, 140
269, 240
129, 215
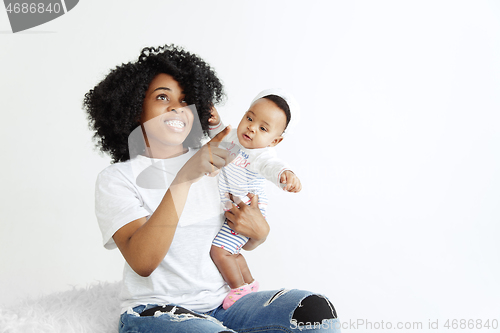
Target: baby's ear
276, 141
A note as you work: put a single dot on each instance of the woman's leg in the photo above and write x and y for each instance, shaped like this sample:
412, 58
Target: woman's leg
170, 319
280, 311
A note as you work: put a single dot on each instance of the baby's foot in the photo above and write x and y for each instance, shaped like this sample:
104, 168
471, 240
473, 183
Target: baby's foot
237, 293
254, 286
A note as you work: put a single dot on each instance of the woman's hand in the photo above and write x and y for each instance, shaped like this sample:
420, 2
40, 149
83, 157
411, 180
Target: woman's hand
248, 221
206, 162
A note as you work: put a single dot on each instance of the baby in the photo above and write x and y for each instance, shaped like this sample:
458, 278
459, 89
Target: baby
271, 113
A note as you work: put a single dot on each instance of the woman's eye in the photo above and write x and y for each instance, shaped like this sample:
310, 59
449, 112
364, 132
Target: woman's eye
162, 97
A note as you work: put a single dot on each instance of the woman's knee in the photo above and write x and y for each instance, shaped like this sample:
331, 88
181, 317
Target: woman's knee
313, 309
307, 309
310, 308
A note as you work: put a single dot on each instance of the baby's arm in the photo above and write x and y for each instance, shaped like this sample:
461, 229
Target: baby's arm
277, 171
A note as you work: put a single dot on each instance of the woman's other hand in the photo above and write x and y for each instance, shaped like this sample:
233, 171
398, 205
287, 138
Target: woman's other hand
248, 221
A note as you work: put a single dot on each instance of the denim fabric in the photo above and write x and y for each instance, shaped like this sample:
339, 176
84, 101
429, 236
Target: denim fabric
265, 311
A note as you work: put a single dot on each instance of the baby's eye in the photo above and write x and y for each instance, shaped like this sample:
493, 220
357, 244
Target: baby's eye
249, 119
263, 129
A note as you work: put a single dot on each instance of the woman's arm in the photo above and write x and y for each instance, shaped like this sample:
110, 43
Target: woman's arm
249, 221
144, 243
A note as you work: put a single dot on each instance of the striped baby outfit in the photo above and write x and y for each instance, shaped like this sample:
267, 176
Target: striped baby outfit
247, 173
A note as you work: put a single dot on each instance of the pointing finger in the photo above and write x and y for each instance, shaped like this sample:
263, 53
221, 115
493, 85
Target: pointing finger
216, 140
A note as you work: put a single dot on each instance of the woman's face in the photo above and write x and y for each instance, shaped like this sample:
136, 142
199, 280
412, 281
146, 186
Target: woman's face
165, 116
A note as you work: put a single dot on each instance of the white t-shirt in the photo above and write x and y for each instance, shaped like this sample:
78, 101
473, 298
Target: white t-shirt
187, 276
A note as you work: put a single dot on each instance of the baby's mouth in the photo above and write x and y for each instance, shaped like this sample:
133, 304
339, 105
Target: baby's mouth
246, 137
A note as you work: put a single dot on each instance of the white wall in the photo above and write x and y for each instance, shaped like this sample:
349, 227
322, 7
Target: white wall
398, 148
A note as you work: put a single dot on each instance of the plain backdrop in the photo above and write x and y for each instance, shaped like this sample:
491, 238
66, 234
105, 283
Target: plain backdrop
398, 149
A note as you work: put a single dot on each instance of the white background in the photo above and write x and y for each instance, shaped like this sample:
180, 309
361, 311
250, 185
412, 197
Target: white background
398, 148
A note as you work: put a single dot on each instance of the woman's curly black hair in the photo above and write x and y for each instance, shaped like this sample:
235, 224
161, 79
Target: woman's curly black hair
114, 106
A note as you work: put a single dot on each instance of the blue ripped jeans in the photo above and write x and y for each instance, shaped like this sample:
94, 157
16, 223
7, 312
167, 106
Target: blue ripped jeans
265, 311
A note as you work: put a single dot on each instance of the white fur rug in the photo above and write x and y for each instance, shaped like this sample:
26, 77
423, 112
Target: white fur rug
94, 309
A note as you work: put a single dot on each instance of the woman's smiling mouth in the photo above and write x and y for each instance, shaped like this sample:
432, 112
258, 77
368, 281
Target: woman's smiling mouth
175, 124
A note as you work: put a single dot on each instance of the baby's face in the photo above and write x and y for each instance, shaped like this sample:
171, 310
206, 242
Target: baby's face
262, 125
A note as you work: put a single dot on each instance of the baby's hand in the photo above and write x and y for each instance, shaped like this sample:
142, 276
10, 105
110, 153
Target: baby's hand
214, 119
292, 182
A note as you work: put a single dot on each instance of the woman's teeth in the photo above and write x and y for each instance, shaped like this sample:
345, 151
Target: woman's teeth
175, 123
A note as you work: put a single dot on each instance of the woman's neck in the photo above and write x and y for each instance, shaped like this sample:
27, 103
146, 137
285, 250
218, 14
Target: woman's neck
165, 152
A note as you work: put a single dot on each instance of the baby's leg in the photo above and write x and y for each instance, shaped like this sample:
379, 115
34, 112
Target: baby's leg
245, 271
228, 265
232, 265
224, 251
237, 277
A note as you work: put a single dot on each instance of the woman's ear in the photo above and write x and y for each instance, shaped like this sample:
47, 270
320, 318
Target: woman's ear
276, 141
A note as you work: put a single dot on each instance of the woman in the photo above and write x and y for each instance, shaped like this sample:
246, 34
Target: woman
158, 204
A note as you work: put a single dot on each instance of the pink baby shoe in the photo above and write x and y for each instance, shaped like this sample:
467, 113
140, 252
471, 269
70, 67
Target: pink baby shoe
237, 293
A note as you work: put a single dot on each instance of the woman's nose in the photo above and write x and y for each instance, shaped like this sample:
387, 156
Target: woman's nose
178, 109
177, 106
